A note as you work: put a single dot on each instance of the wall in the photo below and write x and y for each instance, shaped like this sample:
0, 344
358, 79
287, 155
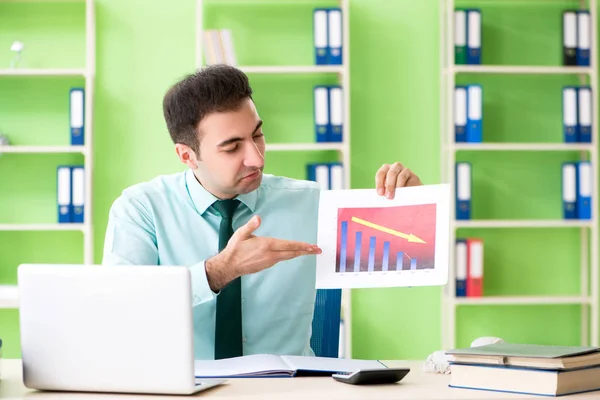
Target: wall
143, 47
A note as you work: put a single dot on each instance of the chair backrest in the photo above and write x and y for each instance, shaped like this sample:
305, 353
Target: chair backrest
325, 337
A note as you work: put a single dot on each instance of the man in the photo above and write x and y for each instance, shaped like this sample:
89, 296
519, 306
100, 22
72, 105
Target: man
248, 238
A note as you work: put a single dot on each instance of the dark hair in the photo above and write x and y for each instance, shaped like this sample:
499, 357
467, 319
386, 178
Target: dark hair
215, 88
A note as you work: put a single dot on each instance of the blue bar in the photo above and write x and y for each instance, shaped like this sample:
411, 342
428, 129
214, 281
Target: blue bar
343, 246
399, 261
386, 256
372, 254
357, 245
413, 264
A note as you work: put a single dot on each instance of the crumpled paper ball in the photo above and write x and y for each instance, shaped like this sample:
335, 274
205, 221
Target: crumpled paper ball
439, 362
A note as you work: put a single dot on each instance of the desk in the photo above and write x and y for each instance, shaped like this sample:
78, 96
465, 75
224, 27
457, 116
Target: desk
416, 385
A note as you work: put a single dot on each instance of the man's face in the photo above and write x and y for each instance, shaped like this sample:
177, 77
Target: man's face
232, 150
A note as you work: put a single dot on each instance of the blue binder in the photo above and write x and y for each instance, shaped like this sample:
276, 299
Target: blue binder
334, 35
584, 190
463, 190
320, 173
336, 175
77, 194
569, 113
460, 114
473, 36
320, 34
461, 267
474, 113
63, 193
77, 116
569, 190
584, 113
321, 114
336, 115
583, 38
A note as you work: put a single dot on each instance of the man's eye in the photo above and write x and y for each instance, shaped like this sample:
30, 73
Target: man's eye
233, 149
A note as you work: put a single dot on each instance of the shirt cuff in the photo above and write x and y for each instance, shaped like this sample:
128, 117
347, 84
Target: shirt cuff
201, 291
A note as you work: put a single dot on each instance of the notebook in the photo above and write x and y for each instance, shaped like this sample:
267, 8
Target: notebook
528, 355
267, 365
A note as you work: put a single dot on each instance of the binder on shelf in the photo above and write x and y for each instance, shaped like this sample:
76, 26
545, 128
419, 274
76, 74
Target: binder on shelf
334, 36
584, 113
320, 35
336, 115
569, 35
336, 176
78, 194
228, 46
63, 189
460, 114
474, 113
584, 190
583, 38
463, 190
319, 173
473, 36
218, 47
76, 116
474, 267
460, 36
213, 51
569, 190
569, 111
461, 267
321, 111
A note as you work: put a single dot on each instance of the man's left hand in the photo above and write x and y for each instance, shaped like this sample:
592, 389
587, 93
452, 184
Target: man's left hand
392, 176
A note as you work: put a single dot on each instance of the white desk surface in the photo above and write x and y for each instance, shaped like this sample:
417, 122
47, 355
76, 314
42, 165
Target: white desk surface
416, 385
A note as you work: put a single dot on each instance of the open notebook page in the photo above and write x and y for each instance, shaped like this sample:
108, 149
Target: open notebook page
259, 364
326, 364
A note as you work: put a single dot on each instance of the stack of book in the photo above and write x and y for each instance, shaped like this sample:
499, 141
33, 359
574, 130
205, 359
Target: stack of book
526, 368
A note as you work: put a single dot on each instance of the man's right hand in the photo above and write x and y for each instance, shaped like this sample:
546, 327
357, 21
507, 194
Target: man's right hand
246, 253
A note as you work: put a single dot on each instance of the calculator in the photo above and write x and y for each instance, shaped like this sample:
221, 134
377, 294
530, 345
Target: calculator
372, 376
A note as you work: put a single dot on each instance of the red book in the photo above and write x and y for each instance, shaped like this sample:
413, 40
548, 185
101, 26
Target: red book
474, 267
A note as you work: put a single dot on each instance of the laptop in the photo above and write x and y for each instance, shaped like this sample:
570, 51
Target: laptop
120, 329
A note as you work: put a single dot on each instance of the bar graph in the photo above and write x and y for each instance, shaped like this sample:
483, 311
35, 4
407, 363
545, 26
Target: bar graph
386, 239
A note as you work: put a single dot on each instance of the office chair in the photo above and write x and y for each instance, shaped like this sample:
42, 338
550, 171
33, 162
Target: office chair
325, 337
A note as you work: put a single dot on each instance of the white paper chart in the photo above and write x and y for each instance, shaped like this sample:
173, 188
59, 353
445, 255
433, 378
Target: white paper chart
371, 241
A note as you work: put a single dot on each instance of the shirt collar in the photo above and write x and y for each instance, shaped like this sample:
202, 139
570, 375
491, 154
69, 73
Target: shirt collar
203, 199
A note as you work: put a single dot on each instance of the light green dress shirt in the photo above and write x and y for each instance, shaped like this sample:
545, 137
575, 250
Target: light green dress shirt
170, 221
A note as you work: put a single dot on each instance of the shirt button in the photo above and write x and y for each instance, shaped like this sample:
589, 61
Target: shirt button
244, 340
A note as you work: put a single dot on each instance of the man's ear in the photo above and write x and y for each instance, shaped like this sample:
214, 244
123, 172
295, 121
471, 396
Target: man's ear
186, 155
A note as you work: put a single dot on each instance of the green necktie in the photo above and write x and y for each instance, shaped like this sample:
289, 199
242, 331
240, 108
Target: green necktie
228, 331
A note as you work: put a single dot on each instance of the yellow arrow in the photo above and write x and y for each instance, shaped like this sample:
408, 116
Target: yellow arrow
410, 237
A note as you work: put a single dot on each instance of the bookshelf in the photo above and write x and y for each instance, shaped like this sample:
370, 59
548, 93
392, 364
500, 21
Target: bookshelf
451, 151
520, 69
297, 69
292, 70
42, 71
44, 149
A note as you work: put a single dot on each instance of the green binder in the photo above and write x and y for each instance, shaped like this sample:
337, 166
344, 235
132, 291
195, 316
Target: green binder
460, 36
